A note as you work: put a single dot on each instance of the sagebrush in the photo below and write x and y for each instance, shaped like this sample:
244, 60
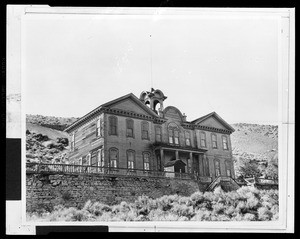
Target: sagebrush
245, 204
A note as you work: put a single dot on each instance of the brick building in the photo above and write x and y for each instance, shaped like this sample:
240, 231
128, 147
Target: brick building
139, 134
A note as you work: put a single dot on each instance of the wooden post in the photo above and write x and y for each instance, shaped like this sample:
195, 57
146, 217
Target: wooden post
192, 163
162, 159
176, 154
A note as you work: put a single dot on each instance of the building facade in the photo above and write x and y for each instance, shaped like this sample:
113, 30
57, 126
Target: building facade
140, 134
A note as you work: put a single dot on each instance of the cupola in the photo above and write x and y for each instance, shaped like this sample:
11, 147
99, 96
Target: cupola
154, 100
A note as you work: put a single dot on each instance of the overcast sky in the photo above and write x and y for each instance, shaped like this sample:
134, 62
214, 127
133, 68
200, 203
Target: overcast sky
74, 64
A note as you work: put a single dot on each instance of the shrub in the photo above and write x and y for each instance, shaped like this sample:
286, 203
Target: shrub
66, 196
96, 208
264, 214
183, 210
246, 204
249, 217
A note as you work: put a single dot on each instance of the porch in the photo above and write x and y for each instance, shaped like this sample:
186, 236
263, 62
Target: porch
193, 161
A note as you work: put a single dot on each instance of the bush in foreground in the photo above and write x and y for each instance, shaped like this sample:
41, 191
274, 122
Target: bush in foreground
245, 204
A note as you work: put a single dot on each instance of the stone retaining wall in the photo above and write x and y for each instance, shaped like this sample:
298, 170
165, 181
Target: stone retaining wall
46, 190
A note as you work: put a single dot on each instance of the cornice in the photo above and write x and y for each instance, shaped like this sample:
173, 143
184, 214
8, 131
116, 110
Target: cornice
207, 128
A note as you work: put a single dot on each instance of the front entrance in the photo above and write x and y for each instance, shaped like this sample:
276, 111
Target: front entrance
179, 167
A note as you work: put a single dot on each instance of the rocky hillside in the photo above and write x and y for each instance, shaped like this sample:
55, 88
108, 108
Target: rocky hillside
45, 140
58, 123
255, 143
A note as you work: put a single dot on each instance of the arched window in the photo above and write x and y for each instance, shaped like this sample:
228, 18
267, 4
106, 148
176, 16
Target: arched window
158, 137
129, 128
228, 168
217, 168
113, 125
225, 142
173, 131
145, 130
214, 141
130, 159
187, 138
113, 157
203, 139
146, 161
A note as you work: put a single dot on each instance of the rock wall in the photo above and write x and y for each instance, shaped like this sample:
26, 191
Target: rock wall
47, 190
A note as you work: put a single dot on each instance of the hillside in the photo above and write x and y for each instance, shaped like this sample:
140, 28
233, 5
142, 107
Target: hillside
58, 123
255, 144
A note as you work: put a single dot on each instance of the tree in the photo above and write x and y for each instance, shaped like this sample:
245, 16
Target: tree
248, 168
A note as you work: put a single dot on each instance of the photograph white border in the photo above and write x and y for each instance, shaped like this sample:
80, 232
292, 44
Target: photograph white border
286, 92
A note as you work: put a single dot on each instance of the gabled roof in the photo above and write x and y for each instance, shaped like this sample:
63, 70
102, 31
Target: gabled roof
108, 104
213, 114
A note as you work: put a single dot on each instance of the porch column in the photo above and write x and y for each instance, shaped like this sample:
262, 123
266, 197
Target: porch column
162, 159
192, 162
201, 166
176, 155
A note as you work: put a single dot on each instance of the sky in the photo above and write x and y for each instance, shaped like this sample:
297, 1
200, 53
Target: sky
73, 64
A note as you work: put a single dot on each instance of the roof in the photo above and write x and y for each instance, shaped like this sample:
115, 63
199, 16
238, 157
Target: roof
214, 114
107, 104
173, 162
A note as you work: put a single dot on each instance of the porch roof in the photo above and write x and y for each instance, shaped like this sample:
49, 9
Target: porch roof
178, 147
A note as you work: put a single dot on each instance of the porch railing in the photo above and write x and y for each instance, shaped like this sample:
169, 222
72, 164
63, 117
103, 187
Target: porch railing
97, 170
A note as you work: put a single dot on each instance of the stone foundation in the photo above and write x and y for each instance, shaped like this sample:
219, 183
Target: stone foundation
48, 190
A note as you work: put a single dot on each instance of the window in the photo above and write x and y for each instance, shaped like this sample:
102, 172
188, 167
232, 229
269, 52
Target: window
73, 142
203, 139
145, 130
228, 170
113, 123
170, 136
130, 159
176, 136
217, 167
158, 134
86, 160
94, 161
214, 141
78, 162
129, 128
173, 133
100, 159
225, 142
146, 159
187, 138
98, 125
113, 157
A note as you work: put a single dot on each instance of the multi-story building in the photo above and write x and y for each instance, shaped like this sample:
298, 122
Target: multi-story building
140, 134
